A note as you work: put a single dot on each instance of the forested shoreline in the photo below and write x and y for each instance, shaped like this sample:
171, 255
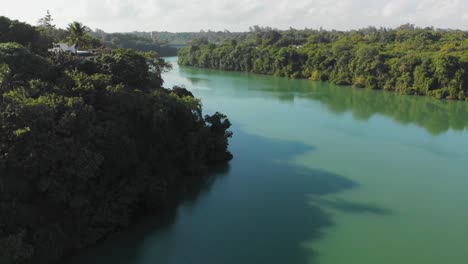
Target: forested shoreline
85, 144
134, 41
407, 60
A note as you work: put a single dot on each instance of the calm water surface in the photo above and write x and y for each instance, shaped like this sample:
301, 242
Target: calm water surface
322, 174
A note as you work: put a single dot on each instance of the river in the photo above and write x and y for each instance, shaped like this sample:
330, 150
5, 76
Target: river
321, 174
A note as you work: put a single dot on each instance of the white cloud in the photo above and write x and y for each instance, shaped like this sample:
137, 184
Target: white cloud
395, 8
442, 13
183, 15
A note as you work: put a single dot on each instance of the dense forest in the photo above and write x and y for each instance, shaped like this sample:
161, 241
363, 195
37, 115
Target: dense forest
138, 42
407, 60
166, 44
186, 38
85, 144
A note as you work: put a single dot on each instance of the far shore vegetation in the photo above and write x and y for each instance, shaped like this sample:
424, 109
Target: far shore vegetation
407, 60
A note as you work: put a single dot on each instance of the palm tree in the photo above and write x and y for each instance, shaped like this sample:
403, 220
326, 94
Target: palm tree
76, 33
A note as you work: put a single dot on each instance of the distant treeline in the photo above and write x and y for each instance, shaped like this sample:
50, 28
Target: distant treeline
85, 144
138, 42
167, 43
408, 60
186, 38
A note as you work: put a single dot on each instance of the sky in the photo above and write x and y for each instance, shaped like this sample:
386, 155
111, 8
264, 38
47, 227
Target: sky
238, 15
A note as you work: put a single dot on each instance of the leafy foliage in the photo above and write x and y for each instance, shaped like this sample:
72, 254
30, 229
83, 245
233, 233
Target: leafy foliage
185, 38
24, 34
85, 144
138, 42
46, 21
407, 60
79, 34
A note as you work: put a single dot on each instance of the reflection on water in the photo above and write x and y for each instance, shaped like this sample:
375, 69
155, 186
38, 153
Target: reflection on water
198, 81
350, 207
436, 116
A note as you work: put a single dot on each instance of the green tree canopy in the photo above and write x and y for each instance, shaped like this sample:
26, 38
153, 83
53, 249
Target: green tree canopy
86, 144
408, 60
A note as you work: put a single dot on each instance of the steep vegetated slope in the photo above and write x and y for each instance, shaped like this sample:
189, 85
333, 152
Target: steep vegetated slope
85, 144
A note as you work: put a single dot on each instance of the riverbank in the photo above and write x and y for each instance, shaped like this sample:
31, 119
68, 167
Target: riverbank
406, 60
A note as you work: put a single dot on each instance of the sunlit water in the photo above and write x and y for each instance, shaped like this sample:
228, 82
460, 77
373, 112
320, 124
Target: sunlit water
322, 174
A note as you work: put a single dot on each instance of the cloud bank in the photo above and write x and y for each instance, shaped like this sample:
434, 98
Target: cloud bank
194, 15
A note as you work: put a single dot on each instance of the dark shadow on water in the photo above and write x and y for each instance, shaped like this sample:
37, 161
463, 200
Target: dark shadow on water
123, 247
256, 211
194, 188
